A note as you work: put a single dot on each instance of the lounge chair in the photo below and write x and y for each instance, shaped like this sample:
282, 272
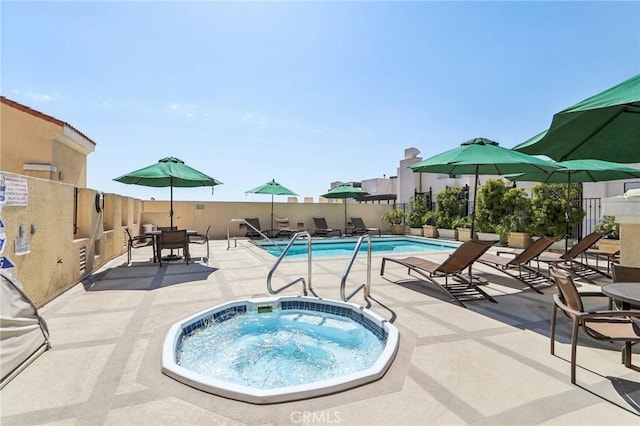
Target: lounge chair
202, 239
254, 230
569, 259
138, 242
174, 240
521, 262
464, 287
322, 229
608, 325
284, 229
610, 257
360, 228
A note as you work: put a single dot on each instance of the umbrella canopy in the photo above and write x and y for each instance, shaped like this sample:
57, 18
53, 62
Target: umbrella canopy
171, 172
345, 191
481, 156
605, 126
575, 171
580, 171
271, 188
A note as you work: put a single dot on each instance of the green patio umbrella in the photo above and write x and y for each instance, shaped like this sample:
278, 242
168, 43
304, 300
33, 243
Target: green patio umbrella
271, 188
481, 156
171, 172
345, 191
605, 127
576, 171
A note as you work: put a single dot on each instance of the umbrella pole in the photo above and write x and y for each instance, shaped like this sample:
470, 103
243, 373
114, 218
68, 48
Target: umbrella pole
567, 214
271, 231
171, 206
473, 209
345, 215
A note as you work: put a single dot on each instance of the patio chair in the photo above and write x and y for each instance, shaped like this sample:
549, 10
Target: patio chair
138, 242
606, 325
322, 229
628, 274
174, 240
253, 231
521, 261
569, 260
463, 287
202, 239
360, 228
284, 228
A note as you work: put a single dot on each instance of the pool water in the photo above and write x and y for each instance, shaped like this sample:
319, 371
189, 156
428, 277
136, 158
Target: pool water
279, 348
345, 246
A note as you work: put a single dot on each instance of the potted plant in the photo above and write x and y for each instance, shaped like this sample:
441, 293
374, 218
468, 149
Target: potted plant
549, 211
463, 226
448, 209
429, 229
491, 209
514, 228
395, 217
611, 241
418, 209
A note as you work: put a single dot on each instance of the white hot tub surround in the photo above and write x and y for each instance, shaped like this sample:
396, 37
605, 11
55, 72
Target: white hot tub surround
370, 319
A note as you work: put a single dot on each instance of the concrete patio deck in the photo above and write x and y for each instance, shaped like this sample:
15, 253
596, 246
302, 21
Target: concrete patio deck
488, 364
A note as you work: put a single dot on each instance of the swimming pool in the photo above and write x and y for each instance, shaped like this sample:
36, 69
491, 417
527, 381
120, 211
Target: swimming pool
279, 349
328, 247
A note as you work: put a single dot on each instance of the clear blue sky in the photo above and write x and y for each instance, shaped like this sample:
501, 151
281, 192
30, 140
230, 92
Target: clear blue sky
305, 92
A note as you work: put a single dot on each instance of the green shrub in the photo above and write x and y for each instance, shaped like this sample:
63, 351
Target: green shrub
394, 216
418, 210
491, 206
450, 206
608, 224
548, 207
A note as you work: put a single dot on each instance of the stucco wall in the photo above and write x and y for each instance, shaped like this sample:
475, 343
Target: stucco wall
199, 215
30, 139
72, 238
25, 139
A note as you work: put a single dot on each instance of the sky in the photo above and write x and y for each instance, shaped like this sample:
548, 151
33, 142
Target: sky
306, 93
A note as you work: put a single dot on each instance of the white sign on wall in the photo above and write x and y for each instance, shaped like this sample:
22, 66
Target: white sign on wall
16, 191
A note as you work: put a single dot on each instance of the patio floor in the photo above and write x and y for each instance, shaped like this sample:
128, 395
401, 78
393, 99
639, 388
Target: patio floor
488, 364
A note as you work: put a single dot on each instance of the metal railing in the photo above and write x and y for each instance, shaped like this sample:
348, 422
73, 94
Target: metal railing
250, 226
367, 285
296, 236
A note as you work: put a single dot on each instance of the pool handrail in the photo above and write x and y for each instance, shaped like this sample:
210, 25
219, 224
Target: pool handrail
367, 285
305, 284
250, 226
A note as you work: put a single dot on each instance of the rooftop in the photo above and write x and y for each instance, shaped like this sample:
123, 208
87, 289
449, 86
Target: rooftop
487, 364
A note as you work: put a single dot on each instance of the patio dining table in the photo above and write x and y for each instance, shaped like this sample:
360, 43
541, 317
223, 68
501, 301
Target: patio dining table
628, 294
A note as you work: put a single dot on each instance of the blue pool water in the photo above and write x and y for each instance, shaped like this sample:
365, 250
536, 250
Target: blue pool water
280, 348
345, 246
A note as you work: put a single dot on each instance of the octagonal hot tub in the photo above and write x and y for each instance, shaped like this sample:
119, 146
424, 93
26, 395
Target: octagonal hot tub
279, 349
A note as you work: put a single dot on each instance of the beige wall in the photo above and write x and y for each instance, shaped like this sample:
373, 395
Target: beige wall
29, 139
64, 251
199, 215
